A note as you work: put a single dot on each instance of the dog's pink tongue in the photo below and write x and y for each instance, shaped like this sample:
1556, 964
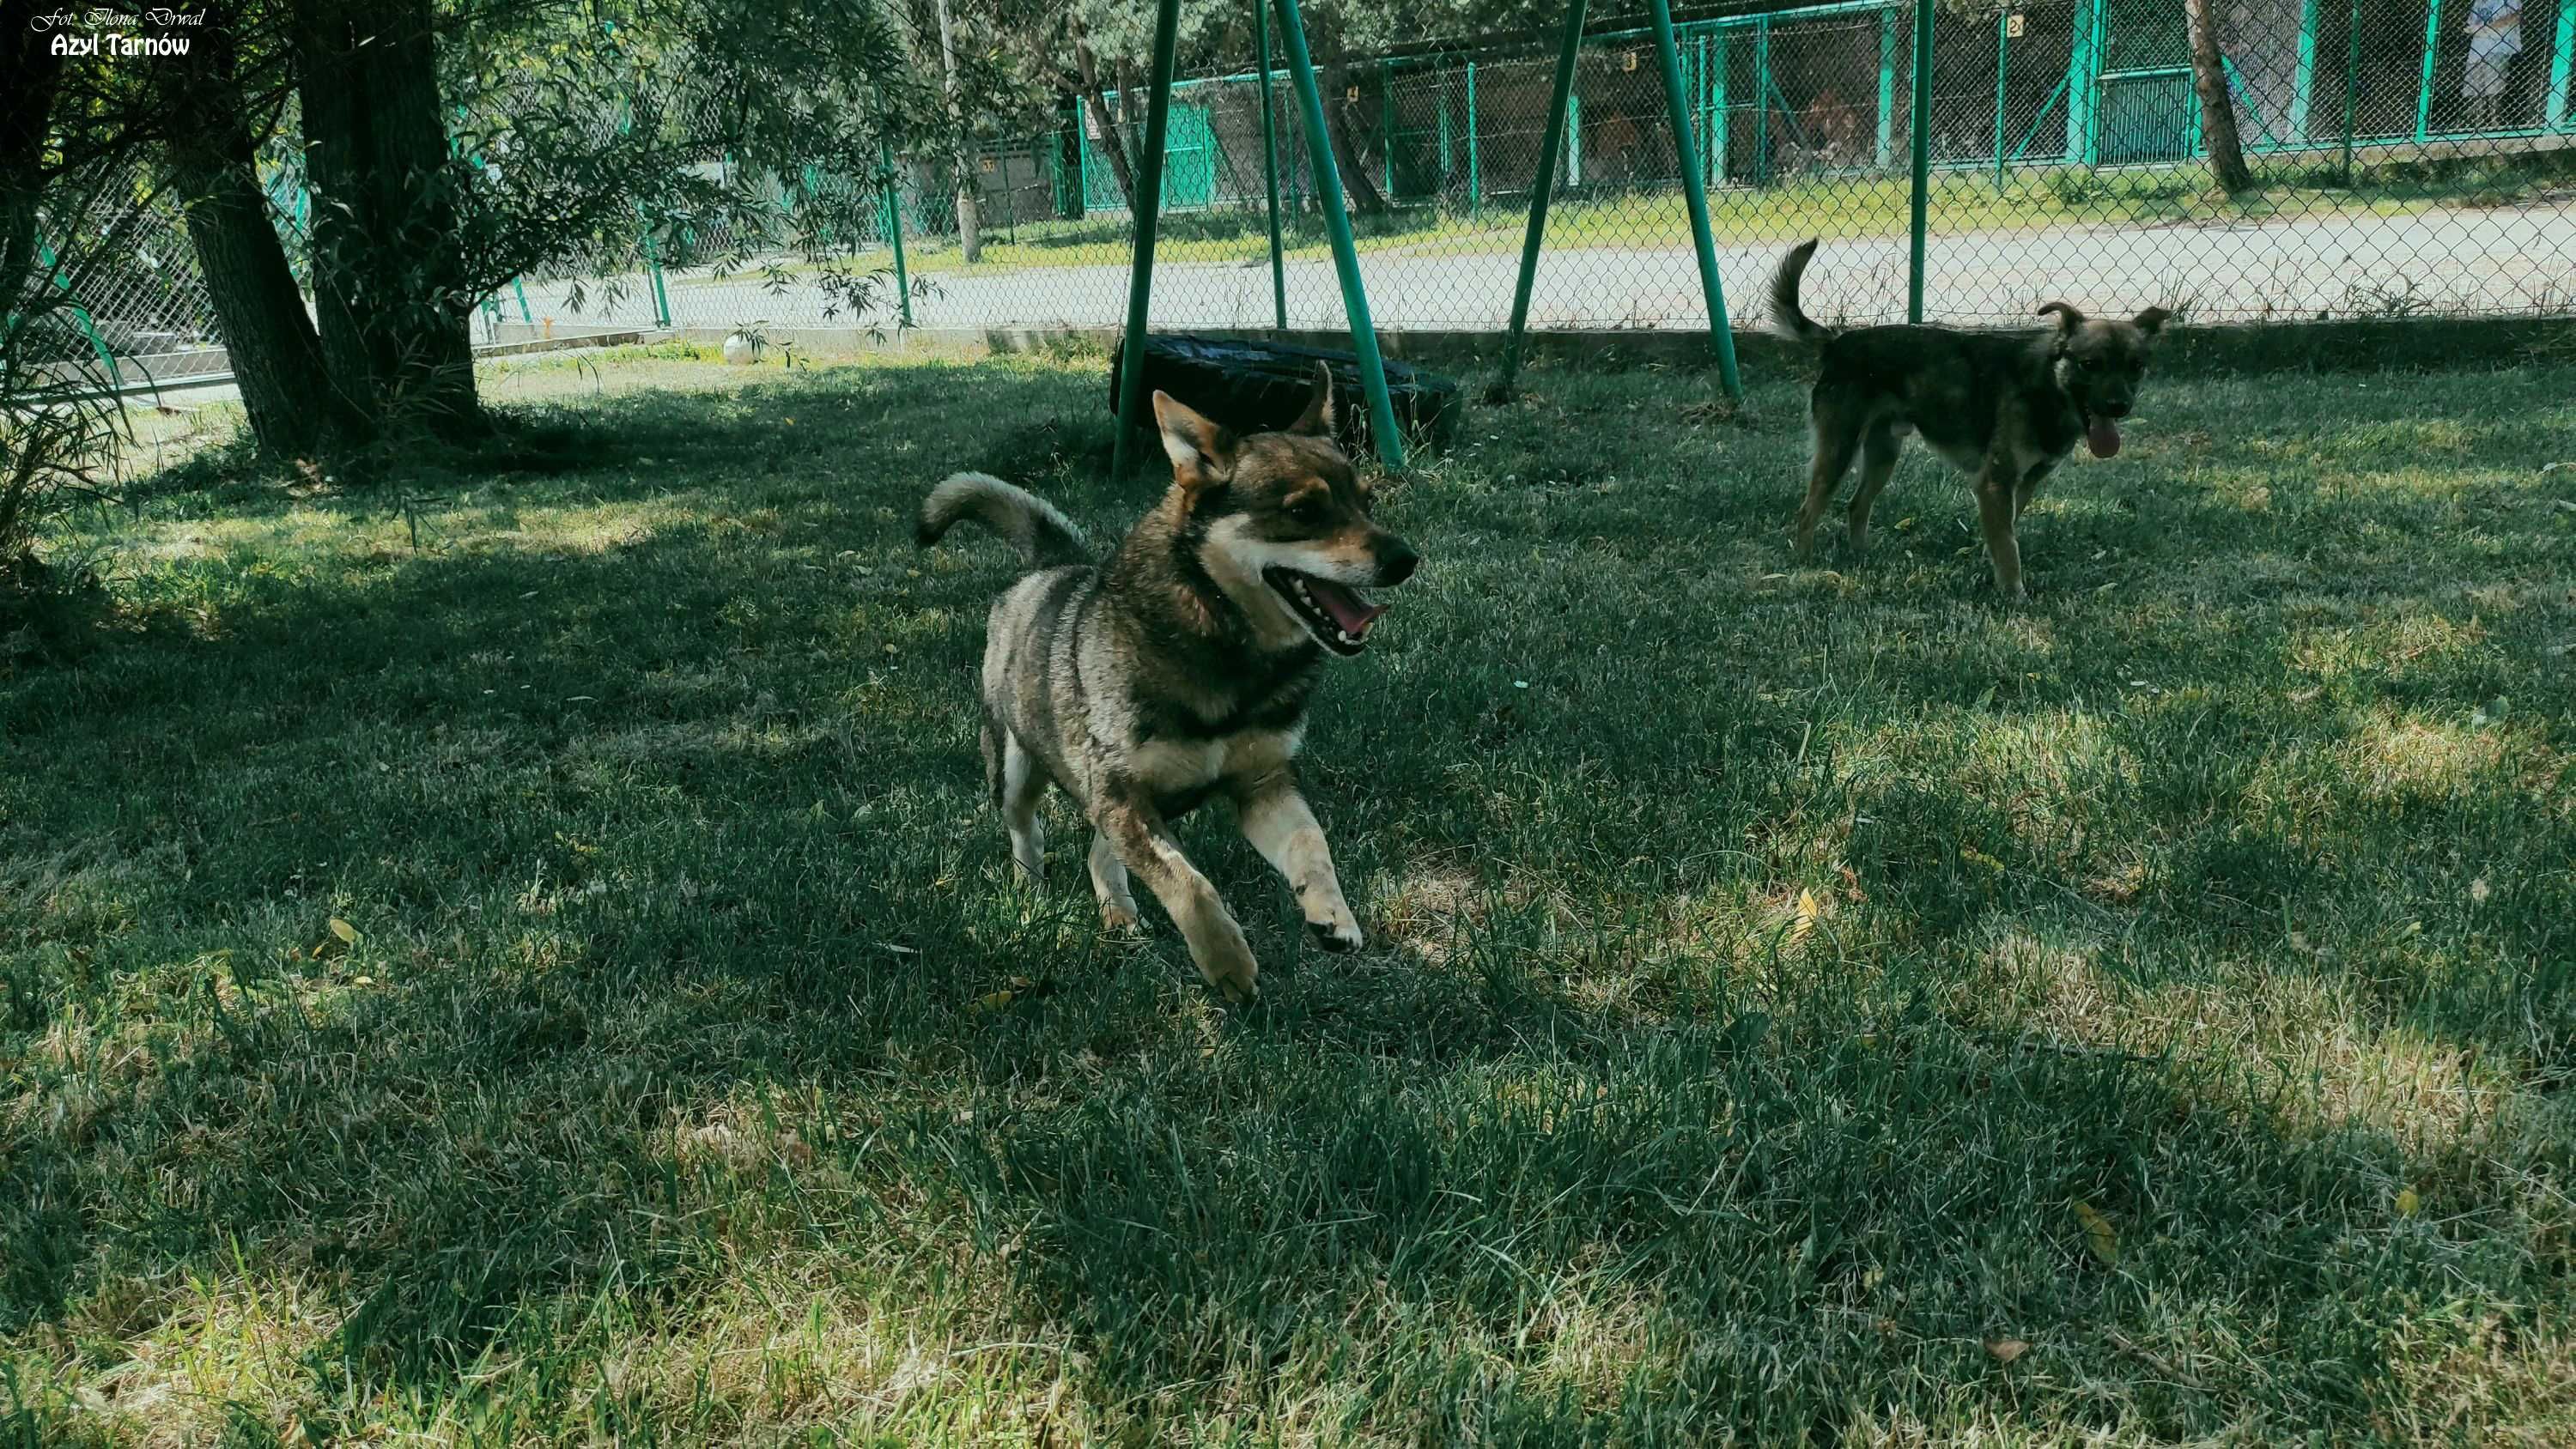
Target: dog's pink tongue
1344, 606
2103, 436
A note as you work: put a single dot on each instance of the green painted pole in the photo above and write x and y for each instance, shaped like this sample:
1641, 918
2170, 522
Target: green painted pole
2562, 50
1573, 141
1762, 101
1721, 334
1448, 136
1337, 221
1558, 101
653, 268
2003, 64
2083, 77
2351, 84
2303, 75
2432, 48
1717, 135
1475, 176
1386, 122
894, 229
1922, 127
1270, 170
1706, 46
527, 314
1886, 88
1149, 208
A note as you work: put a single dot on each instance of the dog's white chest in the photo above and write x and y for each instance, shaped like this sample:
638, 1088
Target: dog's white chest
1169, 767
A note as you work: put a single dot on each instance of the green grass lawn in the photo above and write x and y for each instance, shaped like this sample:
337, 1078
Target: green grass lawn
1800, 1001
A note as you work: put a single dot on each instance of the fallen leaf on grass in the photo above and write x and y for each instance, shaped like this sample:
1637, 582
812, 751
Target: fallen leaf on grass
1804, 924
2006, 1350
2098, 1237
347, 933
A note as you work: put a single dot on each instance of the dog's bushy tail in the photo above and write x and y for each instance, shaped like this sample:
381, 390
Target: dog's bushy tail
1788, 318
1030, 524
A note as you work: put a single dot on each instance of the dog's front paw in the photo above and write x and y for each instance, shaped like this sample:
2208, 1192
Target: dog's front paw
1230, 969
1339, 936
1240, 988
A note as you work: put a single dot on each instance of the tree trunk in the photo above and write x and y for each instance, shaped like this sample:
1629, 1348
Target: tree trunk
294, 410
29, 76
970, 240
1358, 187
1110, 138
386, 269
2217, 107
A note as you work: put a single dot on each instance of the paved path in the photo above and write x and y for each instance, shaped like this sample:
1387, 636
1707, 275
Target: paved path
2516, 260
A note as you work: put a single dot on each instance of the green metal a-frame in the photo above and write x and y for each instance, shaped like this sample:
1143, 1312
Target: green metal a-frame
1721, 336
1328, 193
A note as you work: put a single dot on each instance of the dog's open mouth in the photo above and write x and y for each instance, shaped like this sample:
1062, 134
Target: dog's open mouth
2101, 434
1336, 614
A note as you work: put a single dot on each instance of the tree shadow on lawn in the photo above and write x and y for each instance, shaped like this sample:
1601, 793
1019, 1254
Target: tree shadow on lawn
698, 818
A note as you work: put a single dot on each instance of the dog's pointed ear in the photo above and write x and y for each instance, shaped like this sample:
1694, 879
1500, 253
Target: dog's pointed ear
2152, 320
1317, 420
2068, 319
1202, 452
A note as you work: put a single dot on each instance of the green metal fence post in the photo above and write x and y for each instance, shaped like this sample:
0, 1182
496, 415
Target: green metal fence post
2562, 50
1448, 136
527, 314
653, 267
1270, 169
1922, 127
2432, 49
2351, 84
1573, 141
1762, 100
1712, 157
1337, 221
2003, 66
2303, 75
1559, 105
1010, 198
2083, 81
1718, 140
1721, 333
894, 229
1149, 207
1386, 122
1475, 176
1886, 88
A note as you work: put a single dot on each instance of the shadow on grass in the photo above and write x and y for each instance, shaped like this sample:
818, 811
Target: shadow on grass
650, 797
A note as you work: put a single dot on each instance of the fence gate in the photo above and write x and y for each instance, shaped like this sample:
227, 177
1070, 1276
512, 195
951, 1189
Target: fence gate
2148, 110
1189, 157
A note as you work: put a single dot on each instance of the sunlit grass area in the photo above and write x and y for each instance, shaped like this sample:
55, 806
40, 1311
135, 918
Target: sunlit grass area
525, 957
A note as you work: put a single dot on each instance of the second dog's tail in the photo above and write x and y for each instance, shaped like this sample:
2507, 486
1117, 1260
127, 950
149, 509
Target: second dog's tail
1788, 318
1029, 523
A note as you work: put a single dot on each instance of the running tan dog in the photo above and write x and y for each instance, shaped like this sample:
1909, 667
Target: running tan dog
2005, 408
1180, 668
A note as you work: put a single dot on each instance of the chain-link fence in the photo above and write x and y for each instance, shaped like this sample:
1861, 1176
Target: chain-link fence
145, 315
2408, 157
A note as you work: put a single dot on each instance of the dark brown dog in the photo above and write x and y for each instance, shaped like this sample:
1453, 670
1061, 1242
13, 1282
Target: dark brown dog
2005, 408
